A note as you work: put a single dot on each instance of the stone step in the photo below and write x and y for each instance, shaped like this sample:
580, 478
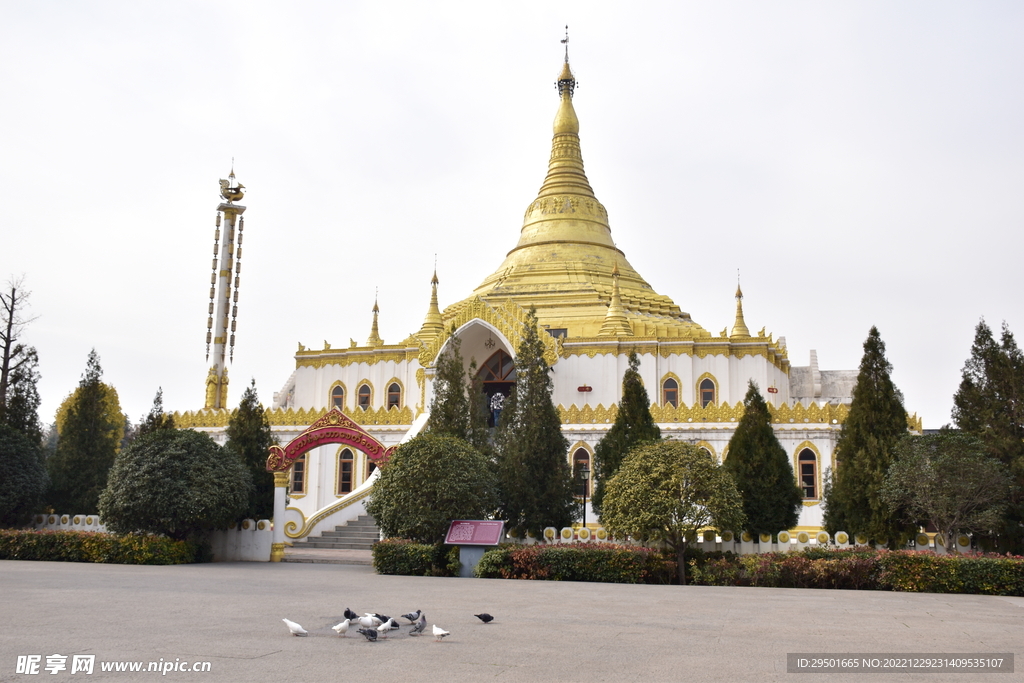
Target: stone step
336, 545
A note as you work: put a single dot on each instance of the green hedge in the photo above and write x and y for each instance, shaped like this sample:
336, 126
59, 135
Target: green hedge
404, 557
92, 546
864, 569
604, 562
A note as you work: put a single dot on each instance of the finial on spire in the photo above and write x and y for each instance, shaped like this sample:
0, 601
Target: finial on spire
739, 327
566, 81
739, 292
374, 339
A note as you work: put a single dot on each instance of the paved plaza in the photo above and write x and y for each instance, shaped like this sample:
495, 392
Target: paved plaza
230, 616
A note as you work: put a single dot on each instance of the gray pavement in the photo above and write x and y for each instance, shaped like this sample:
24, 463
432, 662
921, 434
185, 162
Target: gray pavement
230, 615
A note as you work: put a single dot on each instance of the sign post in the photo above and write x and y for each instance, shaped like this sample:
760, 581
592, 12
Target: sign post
473, 537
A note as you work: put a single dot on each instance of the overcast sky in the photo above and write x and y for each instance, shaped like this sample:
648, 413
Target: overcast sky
860, 163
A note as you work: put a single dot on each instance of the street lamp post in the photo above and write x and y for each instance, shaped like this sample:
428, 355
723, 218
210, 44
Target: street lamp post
584, 474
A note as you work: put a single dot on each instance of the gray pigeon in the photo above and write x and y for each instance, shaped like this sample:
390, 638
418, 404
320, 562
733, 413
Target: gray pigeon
420, 625
295, 628
371, 634
413, 617
485, 617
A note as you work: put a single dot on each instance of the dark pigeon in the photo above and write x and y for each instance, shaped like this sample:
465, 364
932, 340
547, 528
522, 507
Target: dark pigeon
485, 617
420, 625
371, 634
349, 614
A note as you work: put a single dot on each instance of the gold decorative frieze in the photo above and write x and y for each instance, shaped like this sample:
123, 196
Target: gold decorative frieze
722, 413
371, 356
673, 346
587, 414
292, 417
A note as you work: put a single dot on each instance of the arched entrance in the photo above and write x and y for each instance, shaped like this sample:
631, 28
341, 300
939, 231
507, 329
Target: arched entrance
498, 375
333, 428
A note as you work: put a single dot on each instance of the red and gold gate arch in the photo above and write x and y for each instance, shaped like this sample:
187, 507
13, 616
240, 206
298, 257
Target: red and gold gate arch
333, 427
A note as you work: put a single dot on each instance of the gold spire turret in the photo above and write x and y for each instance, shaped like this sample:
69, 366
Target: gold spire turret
374, 339
563, 263
739, 328
615, 322
433, 324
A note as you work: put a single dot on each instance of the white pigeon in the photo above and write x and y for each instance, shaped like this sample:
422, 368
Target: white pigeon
377, 621
342, 628
386, 626
368, 622
439, 633
295, 628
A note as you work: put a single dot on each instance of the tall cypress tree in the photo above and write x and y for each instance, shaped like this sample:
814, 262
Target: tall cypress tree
479, 432
449, 407
156, 419
633, 426
21, 411
250, 439
91, 427
989, 404
763, 473
864, 451
534, 479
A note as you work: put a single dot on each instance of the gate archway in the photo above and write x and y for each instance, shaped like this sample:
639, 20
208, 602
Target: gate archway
333, 427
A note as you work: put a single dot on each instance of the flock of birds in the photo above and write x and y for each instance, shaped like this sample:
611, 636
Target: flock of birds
373, 626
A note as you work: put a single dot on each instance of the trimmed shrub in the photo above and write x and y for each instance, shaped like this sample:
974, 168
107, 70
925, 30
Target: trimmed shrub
600, 562
408, 558
923, 571
92, 546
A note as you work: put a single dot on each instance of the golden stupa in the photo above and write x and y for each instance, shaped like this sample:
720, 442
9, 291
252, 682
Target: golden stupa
566, 264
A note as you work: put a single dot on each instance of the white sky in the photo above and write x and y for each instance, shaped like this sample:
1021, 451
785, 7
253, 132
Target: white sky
859, 162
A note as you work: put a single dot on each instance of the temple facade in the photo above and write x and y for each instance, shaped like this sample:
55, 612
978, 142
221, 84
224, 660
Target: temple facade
593, 309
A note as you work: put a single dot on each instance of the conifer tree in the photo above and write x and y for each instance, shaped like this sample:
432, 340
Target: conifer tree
24, 479
250, 439
761, 470
534, 479
157, 418
876, 423
633, 426
90, 425
479, 433
989, 405
449, 408
21, 411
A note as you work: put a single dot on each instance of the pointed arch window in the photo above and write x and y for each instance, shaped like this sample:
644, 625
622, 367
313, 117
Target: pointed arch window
707, 392
298, 483
346, 470
394, 396
670, 393
370, 467
807, 461
338, 397
500, 367
364, 395
581, 459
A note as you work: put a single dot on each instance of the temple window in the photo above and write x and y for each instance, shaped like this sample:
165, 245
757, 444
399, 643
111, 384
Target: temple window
364, 396
808, 464
707, 393
394, 396
670, 393
346, 464
338, 397
298, 483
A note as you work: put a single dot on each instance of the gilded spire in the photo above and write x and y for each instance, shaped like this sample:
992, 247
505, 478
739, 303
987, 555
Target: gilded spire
615, 322
433, 324
374, 339
739, 328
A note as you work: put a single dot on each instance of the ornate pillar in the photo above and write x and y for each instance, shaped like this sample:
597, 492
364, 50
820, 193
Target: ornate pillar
280, 489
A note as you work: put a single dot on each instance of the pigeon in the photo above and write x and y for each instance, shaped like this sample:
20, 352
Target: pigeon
342, 628
371, 634
387, 626
439, 633
419, 626
413, 617
369, 622
295, 628
382, 617
350, 615
485, 617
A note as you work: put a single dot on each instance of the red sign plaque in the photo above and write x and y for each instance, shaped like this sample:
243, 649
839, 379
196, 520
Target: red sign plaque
475, 532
